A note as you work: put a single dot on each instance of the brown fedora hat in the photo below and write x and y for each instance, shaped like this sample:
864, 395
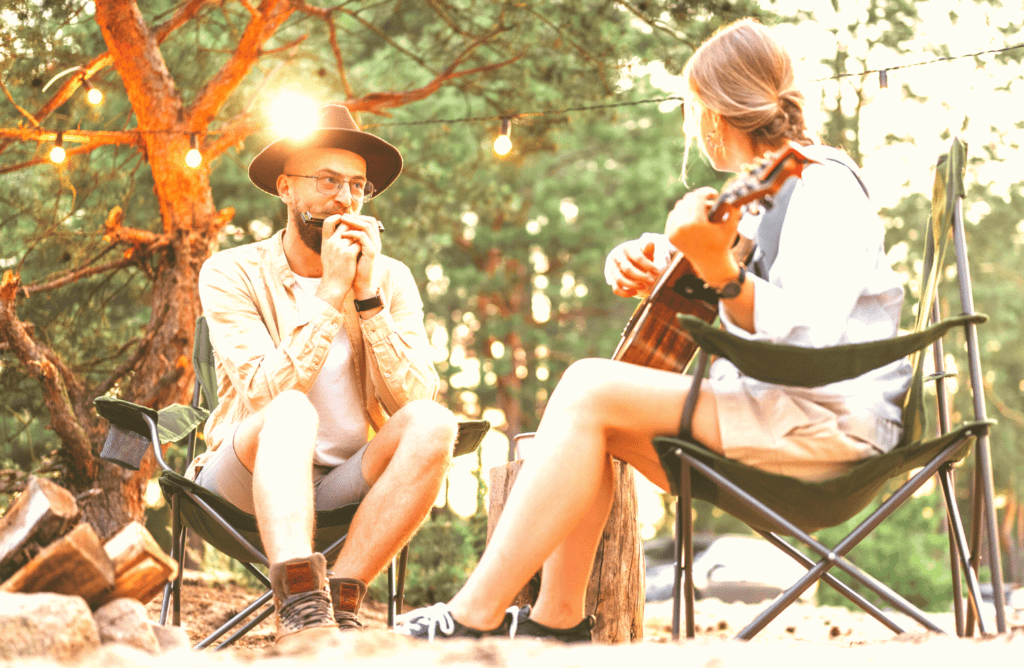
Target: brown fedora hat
336, 129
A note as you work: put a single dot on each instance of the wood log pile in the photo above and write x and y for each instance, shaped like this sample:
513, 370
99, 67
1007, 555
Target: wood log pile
46, 550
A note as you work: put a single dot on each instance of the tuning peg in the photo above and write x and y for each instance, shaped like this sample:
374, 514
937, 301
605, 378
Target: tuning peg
767, 202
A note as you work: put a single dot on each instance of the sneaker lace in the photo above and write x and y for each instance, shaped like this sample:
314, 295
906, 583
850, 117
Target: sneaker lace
436, 617
311, 608
514, 624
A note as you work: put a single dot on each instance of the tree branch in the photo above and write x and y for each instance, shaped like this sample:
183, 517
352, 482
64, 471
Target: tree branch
377, 102
104, 60
130, 363
45, 366
30, 117
265, 22
88, 148
327, 15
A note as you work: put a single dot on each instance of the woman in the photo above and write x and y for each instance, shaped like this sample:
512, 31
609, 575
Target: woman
829, 284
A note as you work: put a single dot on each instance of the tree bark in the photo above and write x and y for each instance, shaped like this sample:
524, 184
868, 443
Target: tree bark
615, 593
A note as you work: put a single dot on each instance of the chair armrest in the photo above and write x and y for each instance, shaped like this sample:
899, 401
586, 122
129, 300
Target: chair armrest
471, 432
130, 434
783, 364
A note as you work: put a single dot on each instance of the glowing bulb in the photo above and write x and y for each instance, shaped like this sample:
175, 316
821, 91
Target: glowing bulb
293, 114
503, 142
57, 153
502, 145
95, 95
193, 158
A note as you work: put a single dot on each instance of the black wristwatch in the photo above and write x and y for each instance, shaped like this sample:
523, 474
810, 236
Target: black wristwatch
369, 304
733, 288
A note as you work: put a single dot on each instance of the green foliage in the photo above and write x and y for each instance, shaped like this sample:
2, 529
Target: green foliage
442, 554
908, 552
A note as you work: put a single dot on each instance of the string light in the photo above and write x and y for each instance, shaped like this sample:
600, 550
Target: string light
57, 153
503, 142
298, 113
94, 95
193, 158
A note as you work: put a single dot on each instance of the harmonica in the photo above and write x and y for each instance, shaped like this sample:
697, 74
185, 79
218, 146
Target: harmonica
310, 219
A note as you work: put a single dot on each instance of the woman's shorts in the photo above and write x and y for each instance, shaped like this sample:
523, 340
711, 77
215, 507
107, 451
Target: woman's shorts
785, 431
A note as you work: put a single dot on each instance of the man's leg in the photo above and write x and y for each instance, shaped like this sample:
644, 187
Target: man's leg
556, 511
405, 465
276, 445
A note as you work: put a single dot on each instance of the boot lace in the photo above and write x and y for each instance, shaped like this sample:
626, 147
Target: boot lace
306, 610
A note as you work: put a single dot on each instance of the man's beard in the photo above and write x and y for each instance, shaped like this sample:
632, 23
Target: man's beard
311, 235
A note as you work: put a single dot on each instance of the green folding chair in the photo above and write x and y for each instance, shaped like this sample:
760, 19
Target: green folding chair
135, 429
776, 505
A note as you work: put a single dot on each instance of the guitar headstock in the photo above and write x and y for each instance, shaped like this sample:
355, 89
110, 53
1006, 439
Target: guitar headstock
760, 181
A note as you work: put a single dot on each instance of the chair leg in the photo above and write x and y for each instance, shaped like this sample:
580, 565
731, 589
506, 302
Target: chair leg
231, 623
677, 570
958, 535
391, 595
688, 593
682, 576
861, 602
403, 562
954, 555
245, 629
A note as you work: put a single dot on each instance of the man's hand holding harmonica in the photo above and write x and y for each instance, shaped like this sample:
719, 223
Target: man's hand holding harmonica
351, 243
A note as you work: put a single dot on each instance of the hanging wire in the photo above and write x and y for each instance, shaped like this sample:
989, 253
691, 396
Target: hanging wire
882, 73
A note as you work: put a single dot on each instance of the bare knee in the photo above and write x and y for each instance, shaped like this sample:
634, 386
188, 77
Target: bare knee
583, 385
289, 420
433, 428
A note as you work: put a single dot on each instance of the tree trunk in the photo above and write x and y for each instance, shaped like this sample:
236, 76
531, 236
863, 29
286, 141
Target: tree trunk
615, 593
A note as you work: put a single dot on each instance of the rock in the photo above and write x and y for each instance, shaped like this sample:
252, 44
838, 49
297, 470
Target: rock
124, 621
45, 625
170, 637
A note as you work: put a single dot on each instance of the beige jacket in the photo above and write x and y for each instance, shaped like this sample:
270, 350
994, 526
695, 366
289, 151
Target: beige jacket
263, 347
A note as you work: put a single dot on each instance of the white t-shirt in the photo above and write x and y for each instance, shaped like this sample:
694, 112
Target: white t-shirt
334, 393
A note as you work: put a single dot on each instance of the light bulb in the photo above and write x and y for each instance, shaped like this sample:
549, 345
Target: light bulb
57, 153
502, 145
95, 95
193, 158
503, 142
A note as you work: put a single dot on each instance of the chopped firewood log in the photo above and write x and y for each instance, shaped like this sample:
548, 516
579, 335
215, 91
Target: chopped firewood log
73, 564
42, 512
141, 568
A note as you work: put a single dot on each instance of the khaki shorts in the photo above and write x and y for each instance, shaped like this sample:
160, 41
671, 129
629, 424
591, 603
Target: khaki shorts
333, 487
786, 431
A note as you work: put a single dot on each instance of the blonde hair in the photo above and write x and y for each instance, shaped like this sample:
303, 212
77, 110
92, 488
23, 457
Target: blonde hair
744, 75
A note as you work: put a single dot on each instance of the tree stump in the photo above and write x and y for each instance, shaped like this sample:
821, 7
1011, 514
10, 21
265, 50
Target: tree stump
615, 593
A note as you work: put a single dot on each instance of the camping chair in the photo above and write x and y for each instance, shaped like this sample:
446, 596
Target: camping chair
775, 505
134, 429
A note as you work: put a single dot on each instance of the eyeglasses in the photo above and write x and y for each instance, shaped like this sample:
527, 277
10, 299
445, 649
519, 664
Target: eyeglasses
330, 184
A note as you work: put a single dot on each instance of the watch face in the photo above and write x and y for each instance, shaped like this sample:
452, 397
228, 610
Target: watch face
730, 290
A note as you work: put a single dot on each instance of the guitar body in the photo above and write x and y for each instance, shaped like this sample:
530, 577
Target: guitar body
652, 336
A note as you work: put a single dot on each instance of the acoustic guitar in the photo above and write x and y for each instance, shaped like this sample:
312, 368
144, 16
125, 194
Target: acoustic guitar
652, 336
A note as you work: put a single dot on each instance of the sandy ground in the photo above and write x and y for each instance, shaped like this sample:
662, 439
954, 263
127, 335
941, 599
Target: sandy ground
803, 634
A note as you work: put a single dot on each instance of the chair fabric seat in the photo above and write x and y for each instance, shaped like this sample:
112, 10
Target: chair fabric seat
330, 524
810, 505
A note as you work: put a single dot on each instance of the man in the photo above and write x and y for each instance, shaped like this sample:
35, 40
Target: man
318, 338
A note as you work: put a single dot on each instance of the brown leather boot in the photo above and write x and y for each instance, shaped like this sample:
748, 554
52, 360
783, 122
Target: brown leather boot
346, 596
303, 605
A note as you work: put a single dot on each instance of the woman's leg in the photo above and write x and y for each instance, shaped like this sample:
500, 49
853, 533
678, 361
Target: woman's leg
557, 509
